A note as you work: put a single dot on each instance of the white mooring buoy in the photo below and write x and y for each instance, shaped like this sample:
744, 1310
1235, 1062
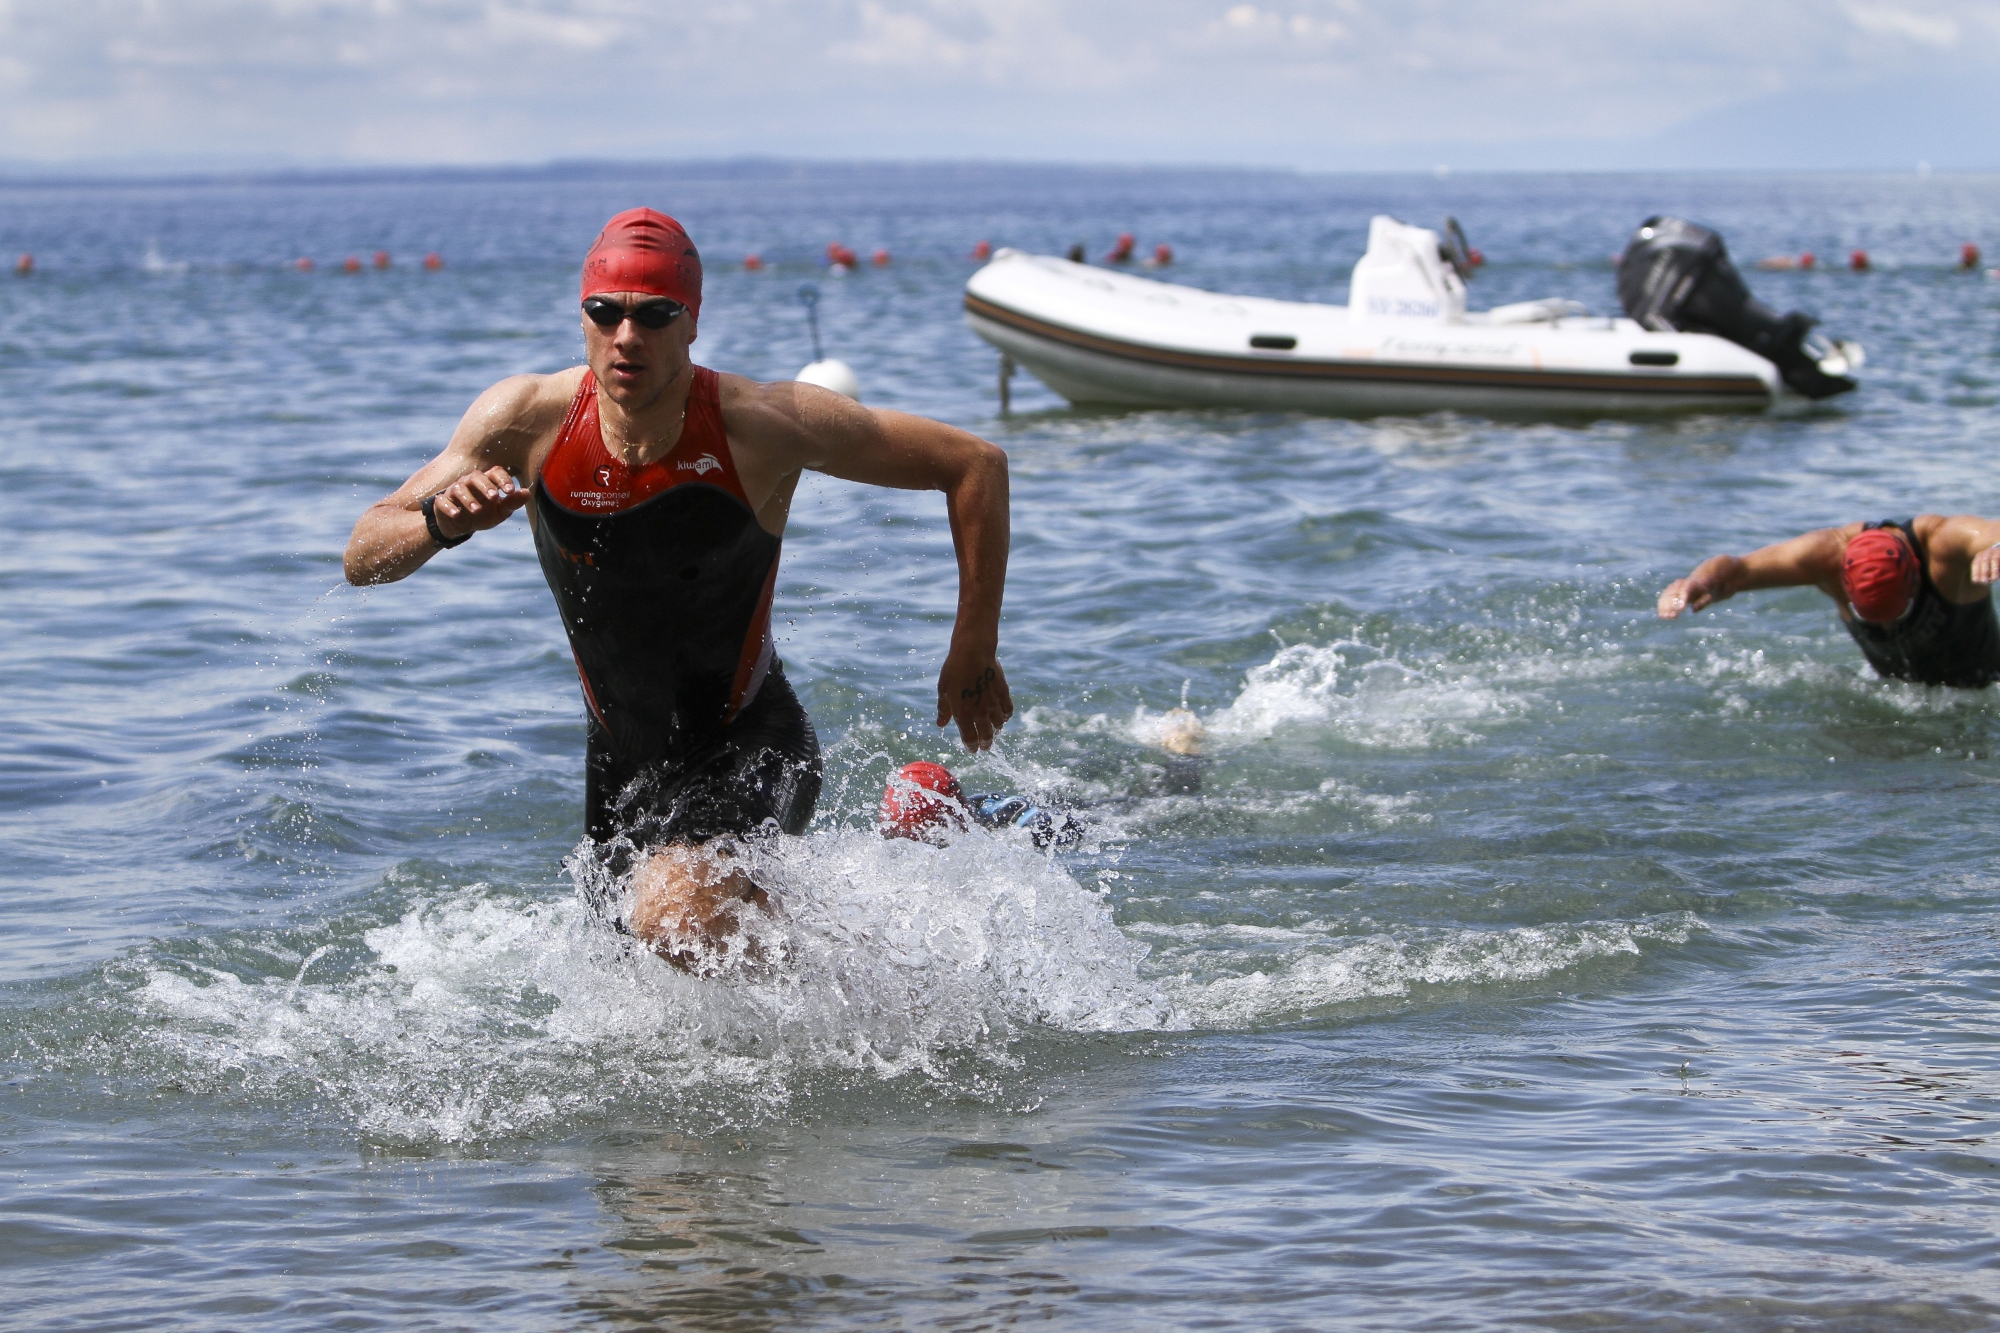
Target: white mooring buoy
825, 371
831, 374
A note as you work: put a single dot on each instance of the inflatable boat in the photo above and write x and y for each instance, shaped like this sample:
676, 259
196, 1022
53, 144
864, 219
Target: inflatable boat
1692, 337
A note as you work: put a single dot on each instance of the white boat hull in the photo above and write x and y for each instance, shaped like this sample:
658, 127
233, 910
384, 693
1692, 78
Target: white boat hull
1098, 337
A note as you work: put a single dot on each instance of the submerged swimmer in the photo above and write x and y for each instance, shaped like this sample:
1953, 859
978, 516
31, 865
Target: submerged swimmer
658, 492
924, 802
1914, 594
1181, 734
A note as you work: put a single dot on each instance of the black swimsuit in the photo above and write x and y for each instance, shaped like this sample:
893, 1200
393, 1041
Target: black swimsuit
664, 577
1935, 642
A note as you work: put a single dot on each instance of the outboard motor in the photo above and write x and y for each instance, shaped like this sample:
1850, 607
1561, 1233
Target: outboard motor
1676, 277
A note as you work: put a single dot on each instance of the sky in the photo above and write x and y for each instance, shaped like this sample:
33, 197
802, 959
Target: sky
135, 85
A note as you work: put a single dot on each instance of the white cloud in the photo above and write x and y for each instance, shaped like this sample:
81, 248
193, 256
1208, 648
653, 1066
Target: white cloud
1256, 80
904, 40
1930, 29
1273, 28
1022, 44
578, 32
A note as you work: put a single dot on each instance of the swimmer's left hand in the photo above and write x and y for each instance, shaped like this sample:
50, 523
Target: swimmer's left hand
973, 690
478, 501
1986, 565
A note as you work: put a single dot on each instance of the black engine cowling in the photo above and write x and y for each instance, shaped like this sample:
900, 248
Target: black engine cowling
1676, 277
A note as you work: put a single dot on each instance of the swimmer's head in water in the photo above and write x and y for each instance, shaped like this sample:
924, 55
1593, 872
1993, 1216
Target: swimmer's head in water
641, 250
1880, 574
923, 801
1181, 732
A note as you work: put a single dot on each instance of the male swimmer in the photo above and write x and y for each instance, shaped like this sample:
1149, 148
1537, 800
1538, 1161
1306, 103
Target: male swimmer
658, 492
1914, 594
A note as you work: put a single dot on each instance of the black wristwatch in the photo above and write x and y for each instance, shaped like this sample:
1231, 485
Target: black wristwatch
437, 533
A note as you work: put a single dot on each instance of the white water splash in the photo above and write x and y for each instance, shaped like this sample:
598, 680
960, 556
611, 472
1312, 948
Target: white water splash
1313, 970
1730, 673
1365, 696
477, 1016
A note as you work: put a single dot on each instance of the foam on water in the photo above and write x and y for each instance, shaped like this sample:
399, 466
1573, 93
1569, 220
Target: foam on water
1728, 672
1314, 968
1370, 697
1417, 697
478, 1015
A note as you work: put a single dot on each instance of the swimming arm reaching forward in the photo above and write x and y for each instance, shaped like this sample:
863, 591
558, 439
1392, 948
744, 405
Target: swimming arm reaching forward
1811, 559
1962, 553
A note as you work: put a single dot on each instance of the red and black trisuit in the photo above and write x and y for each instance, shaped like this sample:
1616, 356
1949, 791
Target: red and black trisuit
663, 577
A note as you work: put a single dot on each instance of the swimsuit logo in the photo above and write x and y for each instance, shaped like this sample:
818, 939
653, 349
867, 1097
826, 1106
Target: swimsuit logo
604, 475
701, 467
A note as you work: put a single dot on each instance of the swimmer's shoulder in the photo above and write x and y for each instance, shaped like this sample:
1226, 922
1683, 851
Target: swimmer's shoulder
795, 420
518, 417
533, 398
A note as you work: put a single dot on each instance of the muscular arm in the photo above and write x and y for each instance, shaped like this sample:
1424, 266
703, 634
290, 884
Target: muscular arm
480, 480
1809, 560
1965, 555
790, 426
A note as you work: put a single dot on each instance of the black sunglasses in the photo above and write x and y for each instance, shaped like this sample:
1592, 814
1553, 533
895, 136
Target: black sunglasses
647, 315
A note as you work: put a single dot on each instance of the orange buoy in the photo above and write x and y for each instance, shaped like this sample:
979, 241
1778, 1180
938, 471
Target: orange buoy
1163, 254
1121, 253
1968, 256
840, 256
433, 261
982, 250
880, 259
1858, 261
1475, 257
24, 265
302, 264
381, 259
1807, 260
752, 262
351, 265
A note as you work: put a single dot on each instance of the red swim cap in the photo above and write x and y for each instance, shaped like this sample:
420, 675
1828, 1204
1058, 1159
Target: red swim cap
909, 807
1880, 574
644, 251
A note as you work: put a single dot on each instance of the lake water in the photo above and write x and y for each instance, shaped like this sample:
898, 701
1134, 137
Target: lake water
1523, 961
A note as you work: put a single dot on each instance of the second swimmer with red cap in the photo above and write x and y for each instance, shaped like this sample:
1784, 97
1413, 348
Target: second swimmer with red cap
658, 491
1913, 593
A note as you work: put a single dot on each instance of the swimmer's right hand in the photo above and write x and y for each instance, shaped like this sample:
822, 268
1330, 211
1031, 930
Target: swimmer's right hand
1684, 595
478, 501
